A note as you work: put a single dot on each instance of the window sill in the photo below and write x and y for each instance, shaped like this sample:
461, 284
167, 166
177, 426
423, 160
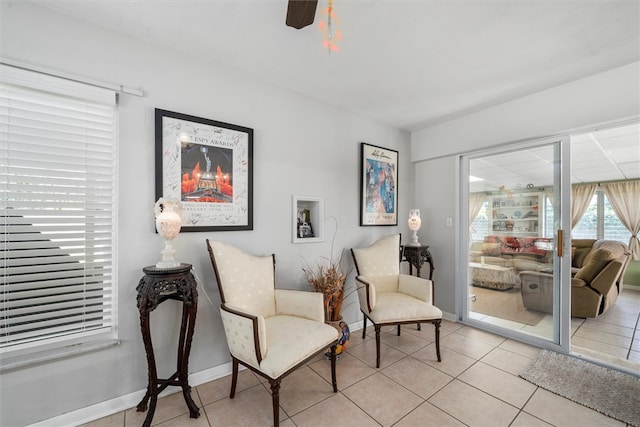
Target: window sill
29, 360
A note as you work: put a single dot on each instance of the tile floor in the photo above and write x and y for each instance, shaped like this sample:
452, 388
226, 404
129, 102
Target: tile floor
476, 384
613, 336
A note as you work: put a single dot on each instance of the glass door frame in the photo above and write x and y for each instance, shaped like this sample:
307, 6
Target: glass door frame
561, 338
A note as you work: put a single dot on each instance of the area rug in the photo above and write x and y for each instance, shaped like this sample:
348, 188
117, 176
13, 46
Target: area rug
605, 390
503, 304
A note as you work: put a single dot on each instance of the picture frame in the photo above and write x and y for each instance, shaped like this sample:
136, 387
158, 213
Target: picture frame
378, 185
208, 166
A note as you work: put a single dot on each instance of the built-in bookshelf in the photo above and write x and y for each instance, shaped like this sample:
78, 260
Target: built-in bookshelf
516, 214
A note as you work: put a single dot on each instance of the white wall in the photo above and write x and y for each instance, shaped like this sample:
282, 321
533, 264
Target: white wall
598, 99
301, 147
606, 97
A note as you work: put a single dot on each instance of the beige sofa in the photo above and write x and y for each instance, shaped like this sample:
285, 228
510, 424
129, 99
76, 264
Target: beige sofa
519, 253
598, 267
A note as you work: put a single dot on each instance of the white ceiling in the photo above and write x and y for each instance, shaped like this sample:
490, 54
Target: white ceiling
598, 156
407, 63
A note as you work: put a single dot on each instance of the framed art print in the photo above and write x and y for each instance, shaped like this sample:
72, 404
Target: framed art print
378, 185
208, 166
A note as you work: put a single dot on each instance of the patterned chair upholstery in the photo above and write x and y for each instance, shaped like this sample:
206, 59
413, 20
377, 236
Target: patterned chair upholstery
270, 331
388, 297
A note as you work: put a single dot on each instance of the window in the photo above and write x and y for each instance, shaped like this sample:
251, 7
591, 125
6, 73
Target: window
600, 222
58, 186
480, 226
549, 214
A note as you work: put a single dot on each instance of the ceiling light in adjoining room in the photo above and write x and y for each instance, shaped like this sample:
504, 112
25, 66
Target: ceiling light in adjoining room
474, 179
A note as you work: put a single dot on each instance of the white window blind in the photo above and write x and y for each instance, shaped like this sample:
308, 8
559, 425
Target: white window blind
57, 186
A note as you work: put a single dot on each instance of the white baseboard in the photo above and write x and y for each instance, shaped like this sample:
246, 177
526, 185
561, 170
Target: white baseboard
122, 403
449, 316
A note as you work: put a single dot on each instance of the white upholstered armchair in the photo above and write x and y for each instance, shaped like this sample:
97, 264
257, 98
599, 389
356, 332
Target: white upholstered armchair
270, 331
388, 297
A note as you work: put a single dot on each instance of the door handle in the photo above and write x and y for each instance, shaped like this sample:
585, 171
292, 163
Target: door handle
560, 243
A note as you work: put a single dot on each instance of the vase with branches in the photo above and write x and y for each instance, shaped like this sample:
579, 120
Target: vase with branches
328, 277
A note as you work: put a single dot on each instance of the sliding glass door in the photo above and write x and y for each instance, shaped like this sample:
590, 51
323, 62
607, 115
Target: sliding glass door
511, 249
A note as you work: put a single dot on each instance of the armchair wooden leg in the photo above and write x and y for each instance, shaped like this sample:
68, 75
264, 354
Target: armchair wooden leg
275, 398
333, 368
378, 327
364, 327
398, 330
234, 377
436, 323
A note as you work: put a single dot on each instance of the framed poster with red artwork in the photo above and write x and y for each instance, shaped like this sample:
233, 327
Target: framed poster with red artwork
208, 166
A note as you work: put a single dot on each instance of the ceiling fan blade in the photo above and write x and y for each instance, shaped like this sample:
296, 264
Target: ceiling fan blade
301, 13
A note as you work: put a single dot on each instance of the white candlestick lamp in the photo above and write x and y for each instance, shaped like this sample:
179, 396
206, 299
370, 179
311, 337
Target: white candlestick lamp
168, 223
414, 225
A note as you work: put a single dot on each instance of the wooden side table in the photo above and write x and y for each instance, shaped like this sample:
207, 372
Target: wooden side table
416, 256
157, 286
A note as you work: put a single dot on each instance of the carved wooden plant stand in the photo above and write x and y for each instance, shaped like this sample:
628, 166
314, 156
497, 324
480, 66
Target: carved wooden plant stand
157, 286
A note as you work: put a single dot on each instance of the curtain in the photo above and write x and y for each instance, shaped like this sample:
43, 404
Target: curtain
625, 201
475, 204
476, 200
581, 195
